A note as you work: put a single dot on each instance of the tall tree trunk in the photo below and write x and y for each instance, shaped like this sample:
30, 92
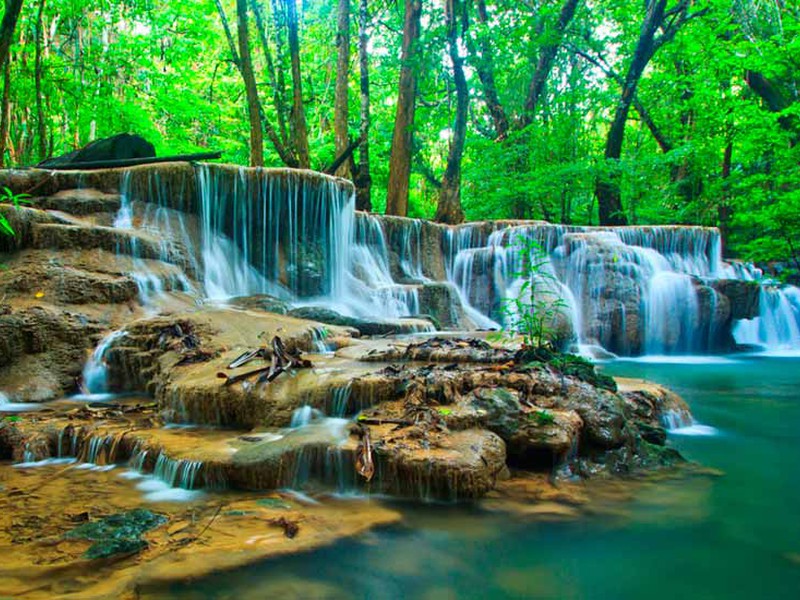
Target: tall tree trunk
253, 104
5, 112
278, 91
286, 156
341, 114
41, 126
7, 27
724, 212
402, 139
544, 64
299, 128
279, 25
363, 179
609, 199
449, 208
485, 68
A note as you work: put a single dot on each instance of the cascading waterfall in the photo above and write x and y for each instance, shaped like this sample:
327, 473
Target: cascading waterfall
777, 328
632, 290
304, 415
95, 372
166, 227
295, 235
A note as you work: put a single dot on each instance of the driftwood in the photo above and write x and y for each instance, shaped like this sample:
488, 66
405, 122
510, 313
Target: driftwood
365, 466
132, 162
280, 361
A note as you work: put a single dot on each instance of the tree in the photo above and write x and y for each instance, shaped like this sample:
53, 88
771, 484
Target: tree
402, 139
299, 127
449, 208
544, 63
41, 124
341, 112
485, 68
657, 18
7, 28
363, 179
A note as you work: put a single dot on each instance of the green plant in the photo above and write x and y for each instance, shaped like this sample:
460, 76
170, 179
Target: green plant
10, 197
6, 227
532, 313
543, 417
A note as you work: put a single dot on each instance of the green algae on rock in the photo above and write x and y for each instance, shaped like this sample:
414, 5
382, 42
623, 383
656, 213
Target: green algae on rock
117, 534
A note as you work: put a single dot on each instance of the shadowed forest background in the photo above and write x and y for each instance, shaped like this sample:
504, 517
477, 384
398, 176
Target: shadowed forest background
572, 111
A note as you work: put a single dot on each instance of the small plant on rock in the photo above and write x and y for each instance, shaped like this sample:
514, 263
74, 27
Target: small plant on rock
9, 197
533, 312
543, 417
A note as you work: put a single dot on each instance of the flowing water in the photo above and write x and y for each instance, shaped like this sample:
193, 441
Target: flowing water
297, 236
732, 536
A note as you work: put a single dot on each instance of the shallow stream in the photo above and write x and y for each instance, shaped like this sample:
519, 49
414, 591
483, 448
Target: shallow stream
736, 535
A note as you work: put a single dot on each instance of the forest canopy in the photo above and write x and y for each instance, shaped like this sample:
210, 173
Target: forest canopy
571, 111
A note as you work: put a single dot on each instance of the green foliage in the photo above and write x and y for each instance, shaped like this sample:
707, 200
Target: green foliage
164, 70
534, 311
9, 197
5, 226
542, 417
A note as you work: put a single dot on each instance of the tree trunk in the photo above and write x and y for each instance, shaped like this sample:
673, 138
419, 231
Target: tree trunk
9, 24
5, 112
278, 91
402, 139
341, 114
285, 155
253, 104
363, 180
545, 62
724, 212
609, 201
485, 69
299, 127
279, 25
775, 101
449, 208
41, 126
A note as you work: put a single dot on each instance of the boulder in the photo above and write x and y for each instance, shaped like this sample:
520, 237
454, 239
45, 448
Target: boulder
743, 297
117, 147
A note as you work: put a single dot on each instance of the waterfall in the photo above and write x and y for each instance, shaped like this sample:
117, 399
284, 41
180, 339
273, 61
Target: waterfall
154, 225
304, 415
777, 328
296, 235
95, 372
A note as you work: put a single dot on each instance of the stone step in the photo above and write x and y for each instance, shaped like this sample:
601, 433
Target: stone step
59, 236
81, 202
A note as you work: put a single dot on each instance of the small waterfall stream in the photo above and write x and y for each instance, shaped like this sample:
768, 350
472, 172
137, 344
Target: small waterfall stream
95, 372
